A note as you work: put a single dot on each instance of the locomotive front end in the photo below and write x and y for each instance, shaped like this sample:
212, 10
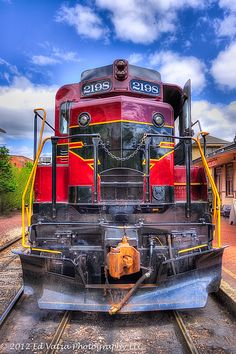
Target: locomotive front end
121, 218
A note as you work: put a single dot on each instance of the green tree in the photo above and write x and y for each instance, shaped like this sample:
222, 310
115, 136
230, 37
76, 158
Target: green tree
21, 176
7, 181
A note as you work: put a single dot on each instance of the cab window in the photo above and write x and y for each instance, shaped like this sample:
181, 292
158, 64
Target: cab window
65, 117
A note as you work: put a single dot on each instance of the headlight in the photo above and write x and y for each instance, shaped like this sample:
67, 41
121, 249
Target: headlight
84, 119
158, 119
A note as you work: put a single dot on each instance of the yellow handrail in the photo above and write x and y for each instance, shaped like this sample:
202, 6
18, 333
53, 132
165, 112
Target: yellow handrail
31, 180
39, 145
216, 200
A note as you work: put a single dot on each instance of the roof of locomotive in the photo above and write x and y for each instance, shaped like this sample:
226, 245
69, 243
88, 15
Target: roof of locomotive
135, 71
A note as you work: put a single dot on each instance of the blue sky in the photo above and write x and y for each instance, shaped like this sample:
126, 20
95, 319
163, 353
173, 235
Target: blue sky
45, 44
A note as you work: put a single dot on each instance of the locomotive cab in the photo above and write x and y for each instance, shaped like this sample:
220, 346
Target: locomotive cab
121, 219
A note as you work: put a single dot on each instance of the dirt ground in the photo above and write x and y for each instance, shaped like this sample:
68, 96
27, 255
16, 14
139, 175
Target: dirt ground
10, 227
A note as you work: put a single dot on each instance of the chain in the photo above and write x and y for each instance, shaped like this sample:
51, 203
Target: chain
103, 145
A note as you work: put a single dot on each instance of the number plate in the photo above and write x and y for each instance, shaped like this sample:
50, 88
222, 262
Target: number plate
91, 88
149, 88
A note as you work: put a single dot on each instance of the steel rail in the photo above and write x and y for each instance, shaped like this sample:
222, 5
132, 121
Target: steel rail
185, 333
11, 305
10, 258
6, 264
8, 244
52, 347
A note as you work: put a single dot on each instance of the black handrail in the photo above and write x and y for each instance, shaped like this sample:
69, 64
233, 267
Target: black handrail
54, 175
54, 139
36, 115
95, 140
187, 142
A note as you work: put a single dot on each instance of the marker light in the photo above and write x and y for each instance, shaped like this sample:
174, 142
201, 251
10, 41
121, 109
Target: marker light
158, 119
84, 119
121, 69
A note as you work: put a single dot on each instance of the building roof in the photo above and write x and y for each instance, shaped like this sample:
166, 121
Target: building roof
219, 156
212, 140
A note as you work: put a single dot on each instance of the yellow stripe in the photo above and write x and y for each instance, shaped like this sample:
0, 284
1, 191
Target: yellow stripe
154, 161
75, 142
85, 160
166, 147
90, 162
192, 184
193, 248
121, 121
167, 143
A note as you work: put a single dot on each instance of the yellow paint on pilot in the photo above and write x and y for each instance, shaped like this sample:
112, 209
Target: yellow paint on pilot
193, 248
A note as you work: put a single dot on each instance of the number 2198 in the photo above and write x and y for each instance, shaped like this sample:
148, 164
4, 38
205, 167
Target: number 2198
145, 87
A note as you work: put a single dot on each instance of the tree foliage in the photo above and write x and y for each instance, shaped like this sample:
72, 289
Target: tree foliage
12, 182
7, 183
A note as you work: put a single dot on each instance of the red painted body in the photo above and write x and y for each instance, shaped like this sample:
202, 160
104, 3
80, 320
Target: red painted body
116, 106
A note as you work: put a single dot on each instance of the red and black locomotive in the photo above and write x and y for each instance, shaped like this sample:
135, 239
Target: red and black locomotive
121, 218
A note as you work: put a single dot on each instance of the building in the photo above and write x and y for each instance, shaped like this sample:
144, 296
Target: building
212, 144
19, 161
222, 163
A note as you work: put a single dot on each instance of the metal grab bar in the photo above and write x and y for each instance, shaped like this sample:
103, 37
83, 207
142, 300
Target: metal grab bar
36, 159
216, 214
30, 180
216, 200
32, 176
36, 115
95, 143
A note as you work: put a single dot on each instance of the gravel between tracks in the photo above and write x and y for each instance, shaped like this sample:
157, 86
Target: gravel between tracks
10, 275
30, 330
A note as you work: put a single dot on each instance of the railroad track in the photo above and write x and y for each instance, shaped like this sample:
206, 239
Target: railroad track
188, 341
191, 347
8, 258
208, 330
59, 332
10, 243
185, 335
11, 305
10, 278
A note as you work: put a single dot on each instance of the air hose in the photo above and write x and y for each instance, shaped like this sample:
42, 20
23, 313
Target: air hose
115, 308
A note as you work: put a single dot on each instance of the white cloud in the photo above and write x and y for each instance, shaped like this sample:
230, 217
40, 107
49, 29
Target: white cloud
23, 150
44, 60
217, 119
226, 27
17, 103
139, 21
86, 22
228, 5
7, 70
178, 69
56, 56
12, 68
224, 67
135, 58
143, 21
